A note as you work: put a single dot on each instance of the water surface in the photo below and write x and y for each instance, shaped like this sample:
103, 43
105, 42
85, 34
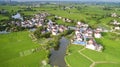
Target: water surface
57, 56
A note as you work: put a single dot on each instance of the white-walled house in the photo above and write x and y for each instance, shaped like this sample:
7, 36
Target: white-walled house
54, 32
85, 34
99, 29
61, 29
113, 15
97, 35
90, 45
116, 28
78, 23
79, 39
115, 22
77, 32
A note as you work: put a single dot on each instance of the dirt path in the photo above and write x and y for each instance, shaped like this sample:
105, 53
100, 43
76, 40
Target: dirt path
85, 55
95, 62
102, 62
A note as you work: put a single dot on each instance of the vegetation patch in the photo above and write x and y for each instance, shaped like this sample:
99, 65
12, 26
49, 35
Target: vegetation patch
17, 50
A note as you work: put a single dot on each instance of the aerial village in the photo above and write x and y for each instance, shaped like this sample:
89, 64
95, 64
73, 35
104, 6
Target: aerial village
60, 35
84, 35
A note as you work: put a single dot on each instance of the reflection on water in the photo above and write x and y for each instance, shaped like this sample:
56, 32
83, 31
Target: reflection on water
4, 32
17, 16
57, 56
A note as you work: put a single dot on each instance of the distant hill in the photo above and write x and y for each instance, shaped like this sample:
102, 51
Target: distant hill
73, 0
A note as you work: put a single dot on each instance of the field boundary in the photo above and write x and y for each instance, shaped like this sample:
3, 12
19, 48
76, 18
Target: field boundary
94, 62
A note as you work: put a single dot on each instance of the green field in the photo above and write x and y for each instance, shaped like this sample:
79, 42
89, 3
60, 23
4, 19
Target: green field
3, 17
91, 14
19, 42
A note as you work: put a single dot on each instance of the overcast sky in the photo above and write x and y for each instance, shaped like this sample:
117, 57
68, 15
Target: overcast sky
71, 0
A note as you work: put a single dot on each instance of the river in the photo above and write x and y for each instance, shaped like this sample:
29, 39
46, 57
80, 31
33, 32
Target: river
57, 56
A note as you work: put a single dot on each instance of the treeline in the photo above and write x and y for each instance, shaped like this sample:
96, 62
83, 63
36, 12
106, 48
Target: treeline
38, 33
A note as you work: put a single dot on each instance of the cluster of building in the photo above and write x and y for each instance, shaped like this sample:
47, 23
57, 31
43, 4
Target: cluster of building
37, 20
114, 15
54, 28
84, 35
116, 25
63, 19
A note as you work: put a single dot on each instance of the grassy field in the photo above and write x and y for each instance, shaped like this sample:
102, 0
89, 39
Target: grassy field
110, 57
91, 14
3, 17
13, 44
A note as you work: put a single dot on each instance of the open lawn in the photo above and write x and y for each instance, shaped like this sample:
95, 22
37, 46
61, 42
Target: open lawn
3, 17
16, 51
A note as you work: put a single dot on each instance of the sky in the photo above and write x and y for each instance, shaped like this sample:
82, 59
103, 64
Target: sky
71, 0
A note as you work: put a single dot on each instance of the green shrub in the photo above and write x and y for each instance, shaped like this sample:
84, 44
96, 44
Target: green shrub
45, 35
67, 32
37, 33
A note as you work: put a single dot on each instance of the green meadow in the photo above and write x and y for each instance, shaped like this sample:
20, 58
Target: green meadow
16, 51
3, 17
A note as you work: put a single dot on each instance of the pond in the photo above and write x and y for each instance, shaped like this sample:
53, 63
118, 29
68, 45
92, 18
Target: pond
4, 32
57, 56
17, 16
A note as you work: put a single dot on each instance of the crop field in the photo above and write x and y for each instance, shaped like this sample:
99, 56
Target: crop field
18, 50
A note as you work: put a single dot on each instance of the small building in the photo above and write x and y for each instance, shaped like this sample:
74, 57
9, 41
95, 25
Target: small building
77, 32
115, 22
97, 35
116, 28
54, 32
90, 45
61, 29
113, 15
99, 29
78, 23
